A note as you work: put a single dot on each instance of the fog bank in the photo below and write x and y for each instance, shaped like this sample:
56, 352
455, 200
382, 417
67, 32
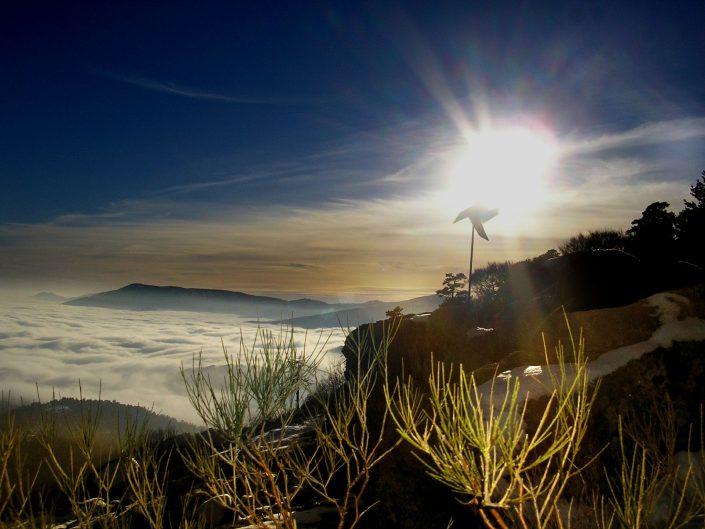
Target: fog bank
130, 357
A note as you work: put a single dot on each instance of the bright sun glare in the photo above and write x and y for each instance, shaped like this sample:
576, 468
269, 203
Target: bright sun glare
504, 168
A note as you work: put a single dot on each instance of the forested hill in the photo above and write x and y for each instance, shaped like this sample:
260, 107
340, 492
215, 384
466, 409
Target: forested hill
111, 416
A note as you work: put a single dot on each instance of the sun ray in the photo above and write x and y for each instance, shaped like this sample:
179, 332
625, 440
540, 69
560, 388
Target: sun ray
506, 168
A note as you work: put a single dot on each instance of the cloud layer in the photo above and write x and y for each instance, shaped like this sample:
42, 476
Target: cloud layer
134, 356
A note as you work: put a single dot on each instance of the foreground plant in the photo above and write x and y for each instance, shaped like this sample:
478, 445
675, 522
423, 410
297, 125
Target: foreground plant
75, 466
146, 477
16, 483
349, 443
245, 461
266, 461
476, 440
653, 488
264, 382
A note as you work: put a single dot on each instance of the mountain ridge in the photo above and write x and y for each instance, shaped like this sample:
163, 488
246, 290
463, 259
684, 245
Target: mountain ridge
304, 312
366, 312
50, 296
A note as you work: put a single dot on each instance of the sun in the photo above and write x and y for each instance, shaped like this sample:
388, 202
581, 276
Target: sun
505, 168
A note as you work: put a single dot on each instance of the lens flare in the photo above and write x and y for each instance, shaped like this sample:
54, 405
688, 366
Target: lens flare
504, 168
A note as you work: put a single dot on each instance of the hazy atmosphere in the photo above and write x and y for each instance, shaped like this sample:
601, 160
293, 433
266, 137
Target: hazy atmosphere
324, 148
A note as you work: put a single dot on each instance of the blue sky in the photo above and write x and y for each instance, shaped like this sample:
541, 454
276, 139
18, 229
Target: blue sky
303, 147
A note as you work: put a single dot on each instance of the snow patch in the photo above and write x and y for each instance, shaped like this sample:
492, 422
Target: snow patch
535, 381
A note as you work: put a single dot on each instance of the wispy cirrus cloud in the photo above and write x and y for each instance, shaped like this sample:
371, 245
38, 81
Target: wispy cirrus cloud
648, 134
304, 266
205, 95
357, 165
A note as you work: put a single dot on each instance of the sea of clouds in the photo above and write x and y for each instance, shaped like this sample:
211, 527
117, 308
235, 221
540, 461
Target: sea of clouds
130, 357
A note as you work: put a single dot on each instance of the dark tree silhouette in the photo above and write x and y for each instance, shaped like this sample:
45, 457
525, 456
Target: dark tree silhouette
595, 240
653, 236
489, 283
453, 285
394, 313
548, 254
690, 224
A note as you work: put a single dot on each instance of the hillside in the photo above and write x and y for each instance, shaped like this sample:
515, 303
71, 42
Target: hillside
113, 416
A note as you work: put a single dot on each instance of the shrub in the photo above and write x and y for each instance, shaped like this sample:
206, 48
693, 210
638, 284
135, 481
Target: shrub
474, 439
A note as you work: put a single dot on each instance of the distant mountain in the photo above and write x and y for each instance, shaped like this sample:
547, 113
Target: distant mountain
50, 296
148, 297
309, 313
371, 311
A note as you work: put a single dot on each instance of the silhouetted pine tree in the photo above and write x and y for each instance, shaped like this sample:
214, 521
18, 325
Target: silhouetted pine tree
690, 225
595, 240
653, 236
